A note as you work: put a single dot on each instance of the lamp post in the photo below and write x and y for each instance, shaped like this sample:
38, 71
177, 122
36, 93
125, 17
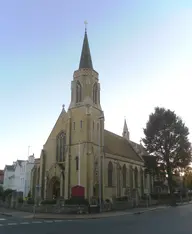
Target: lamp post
99, 154
79, 165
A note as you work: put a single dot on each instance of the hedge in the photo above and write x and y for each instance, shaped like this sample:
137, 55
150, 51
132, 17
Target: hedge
77, 201
48, 202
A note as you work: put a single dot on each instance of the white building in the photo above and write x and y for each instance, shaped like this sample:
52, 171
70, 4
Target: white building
18, 175
8, 177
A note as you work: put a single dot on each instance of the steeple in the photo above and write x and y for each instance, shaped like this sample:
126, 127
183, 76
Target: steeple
85, 87
85, 60
125, 130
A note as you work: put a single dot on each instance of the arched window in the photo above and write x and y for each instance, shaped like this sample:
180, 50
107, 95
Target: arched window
95, 91
110, 174
97, 126
78, 92
77, 163
124, 172
131, 176
38, 175
81, 124
61, 146
142, 181
136, 177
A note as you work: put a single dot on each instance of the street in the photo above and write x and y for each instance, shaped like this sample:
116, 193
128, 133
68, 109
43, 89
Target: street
164, 221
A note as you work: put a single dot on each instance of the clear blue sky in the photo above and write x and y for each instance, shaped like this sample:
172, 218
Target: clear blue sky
142, 50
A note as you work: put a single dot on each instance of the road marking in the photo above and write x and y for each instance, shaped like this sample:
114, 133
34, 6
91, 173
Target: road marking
1, 225
58, 221
2, 219
36, 222
48, 221
24, 223
11, 224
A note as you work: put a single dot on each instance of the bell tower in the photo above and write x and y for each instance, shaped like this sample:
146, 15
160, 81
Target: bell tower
85, 87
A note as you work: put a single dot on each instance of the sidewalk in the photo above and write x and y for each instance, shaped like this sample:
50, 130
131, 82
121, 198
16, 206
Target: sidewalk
184, 203
93, 216
13, 213
135, 211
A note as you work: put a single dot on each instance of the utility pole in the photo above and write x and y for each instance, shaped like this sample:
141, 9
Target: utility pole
28, 149
79, 164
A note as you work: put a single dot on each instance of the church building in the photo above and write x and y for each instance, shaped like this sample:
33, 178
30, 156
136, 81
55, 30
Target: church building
79, 151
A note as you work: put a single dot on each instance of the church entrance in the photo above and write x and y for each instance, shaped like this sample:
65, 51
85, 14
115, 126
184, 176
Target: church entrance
54, 188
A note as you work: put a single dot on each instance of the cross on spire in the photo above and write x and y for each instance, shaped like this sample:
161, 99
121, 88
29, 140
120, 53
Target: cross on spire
85, 22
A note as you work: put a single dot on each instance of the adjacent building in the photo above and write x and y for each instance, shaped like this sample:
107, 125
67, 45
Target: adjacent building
79, 150
8, 181
1, 177
18, 176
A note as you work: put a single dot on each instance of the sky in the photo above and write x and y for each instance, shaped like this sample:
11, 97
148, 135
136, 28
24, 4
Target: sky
141, 49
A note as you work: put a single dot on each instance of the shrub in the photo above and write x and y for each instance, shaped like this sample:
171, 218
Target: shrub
20, 200
48, 202
163, 196
124, 198
77, 201
7, 194
29, 194
31, 201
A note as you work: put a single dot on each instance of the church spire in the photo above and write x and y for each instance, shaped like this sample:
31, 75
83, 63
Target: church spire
85, 60
125, 130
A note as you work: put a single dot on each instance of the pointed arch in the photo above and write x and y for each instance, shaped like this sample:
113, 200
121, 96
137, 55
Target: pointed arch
61, 147
110, 174
95, 93
142, 181
78, 92
77, 163
131, 176
136, 177
124, 174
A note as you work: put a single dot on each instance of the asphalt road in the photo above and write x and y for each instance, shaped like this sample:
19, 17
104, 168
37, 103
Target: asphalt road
165, 221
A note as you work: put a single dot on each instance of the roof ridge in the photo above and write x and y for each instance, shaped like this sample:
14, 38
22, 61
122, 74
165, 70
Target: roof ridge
112, 133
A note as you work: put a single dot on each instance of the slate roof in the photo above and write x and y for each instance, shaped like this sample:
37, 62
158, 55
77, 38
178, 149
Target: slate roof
117, 145
20, 162
150, 161
85, 60
10, 167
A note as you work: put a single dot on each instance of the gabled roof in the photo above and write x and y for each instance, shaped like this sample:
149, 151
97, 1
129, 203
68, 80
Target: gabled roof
139, 148
10, 167
150, 161
117, 145
20, 162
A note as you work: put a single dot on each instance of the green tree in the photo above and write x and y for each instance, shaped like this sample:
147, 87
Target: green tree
187, 179
166, 137
7, 193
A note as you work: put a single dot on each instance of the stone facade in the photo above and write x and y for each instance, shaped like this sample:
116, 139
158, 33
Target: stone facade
80, 151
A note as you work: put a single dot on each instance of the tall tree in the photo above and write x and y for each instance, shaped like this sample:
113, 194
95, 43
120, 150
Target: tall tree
166, 137
188, 178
